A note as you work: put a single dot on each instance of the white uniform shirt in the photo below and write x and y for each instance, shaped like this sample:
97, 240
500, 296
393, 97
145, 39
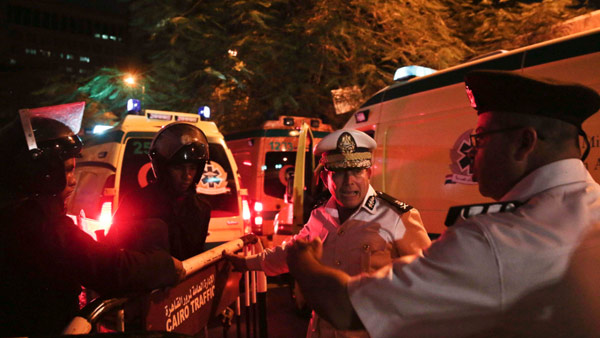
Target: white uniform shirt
480, 267
368, 240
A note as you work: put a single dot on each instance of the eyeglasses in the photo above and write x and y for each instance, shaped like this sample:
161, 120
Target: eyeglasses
476, 138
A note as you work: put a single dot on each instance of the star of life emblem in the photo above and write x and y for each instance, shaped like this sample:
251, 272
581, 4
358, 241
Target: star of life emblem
213, 180
460, 162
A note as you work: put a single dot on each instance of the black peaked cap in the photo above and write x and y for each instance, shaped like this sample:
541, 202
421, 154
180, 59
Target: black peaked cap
508, 91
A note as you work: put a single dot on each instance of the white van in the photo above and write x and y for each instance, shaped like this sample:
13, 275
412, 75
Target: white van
265, 158
116, 162
422, 125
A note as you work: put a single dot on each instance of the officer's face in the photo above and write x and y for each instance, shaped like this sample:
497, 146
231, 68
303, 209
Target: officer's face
182, 176
348, 187
493, 166
70, 178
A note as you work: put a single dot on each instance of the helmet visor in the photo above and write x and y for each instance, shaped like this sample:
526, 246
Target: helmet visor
194, 152
65, 148
69, 114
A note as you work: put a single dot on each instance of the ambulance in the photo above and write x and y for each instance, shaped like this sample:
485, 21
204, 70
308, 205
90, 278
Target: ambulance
422, 123
266, 158
116, 162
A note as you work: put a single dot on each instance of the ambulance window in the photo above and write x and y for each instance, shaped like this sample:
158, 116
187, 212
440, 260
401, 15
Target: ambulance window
136, 170
217, 183
88, 192
278, 166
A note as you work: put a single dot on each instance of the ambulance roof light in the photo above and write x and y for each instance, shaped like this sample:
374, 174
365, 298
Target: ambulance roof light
288, 121
362, 116
408, 72
157, 116
204, 113
134, 107
190, 119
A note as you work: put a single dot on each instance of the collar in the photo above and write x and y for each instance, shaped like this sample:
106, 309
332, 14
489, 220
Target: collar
369, 203
547, 177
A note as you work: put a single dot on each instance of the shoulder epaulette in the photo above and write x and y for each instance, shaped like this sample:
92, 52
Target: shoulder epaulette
466, 211
401, 207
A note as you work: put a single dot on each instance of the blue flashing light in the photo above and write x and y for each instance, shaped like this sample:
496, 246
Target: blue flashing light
408, 72
278, 166
204, 113
133, 106
99, 129
263, 167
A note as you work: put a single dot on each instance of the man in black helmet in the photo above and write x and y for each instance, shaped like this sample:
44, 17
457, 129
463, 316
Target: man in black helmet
178, 153
45, 257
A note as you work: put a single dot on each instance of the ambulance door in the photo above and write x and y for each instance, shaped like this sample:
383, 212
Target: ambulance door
423, 141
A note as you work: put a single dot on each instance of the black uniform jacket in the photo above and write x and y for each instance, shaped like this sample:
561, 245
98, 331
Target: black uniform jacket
186, 218
46, 258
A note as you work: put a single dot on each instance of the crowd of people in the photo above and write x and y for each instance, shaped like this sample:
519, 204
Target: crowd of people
363, 260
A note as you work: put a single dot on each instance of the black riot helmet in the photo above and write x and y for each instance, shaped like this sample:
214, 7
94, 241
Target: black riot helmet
45, 138
178, 142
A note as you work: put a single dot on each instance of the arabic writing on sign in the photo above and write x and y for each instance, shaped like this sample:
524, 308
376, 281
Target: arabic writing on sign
196, 296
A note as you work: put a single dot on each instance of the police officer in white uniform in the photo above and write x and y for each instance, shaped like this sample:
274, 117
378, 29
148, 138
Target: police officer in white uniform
361, 230
527, 157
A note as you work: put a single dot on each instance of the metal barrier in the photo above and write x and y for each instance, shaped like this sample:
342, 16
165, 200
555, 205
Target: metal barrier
209, 289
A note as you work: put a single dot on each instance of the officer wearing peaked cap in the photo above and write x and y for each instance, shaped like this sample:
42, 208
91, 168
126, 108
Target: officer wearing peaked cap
361, 231
489, 273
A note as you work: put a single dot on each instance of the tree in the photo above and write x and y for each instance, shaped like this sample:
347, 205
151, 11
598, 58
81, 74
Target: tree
255, 59
488, 25
252, 60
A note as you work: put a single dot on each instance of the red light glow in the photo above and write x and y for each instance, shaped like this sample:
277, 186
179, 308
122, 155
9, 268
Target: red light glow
106, 215
245, 210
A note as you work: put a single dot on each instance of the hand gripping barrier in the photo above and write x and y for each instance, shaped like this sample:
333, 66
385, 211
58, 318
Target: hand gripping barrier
208, 290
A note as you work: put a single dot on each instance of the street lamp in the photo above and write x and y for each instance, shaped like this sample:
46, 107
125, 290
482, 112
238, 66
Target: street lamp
130, 80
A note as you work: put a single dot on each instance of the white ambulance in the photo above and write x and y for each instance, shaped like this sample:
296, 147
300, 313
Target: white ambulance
266, 159
116, 162
422, 125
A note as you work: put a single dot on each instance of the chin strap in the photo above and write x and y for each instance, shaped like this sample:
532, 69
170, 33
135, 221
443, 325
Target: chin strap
586, 152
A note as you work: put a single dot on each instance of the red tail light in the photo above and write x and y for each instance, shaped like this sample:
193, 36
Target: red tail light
246, 215
246, 210
106, 215
258, 206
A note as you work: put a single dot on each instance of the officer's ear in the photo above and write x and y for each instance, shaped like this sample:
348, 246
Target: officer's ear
526, 142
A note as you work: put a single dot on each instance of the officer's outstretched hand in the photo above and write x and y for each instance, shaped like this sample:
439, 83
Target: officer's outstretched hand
179, 269
302, 250
238, 262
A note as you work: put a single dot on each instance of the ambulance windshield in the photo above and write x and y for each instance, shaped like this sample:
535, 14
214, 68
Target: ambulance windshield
217, 184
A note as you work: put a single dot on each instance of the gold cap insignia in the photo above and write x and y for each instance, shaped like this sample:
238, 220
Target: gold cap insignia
346, 144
